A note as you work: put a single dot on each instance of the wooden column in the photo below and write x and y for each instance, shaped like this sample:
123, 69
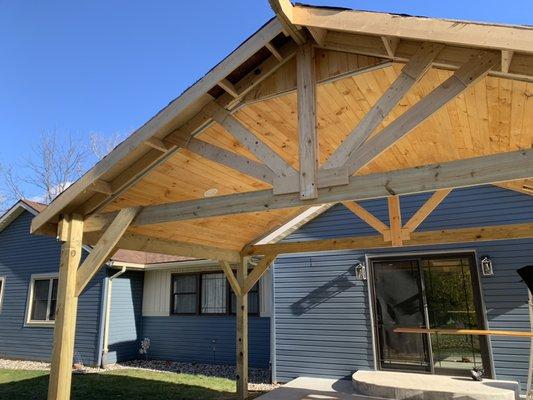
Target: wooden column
70, 232
242, 334
307, 132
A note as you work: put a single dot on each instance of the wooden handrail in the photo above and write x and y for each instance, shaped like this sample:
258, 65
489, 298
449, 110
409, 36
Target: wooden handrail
477, 332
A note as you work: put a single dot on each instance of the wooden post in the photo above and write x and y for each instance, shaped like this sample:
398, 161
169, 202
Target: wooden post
71, 231
242, 334
395, 220
307, 132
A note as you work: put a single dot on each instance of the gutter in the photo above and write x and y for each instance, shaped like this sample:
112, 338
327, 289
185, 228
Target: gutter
107, 315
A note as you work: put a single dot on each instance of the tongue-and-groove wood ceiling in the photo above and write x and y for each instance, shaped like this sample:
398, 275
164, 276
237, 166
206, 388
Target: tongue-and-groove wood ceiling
495, 115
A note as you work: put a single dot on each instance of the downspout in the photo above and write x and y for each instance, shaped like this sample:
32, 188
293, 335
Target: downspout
107, 314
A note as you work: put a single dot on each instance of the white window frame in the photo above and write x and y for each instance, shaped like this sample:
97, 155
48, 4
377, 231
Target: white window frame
2, 287
29, 302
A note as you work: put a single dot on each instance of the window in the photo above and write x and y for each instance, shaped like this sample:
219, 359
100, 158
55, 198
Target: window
213, 294
184, 294
42, 300
207, 294
2, 284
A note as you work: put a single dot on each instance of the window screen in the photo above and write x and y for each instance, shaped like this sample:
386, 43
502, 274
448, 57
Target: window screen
213, 294
184, 292
43, 302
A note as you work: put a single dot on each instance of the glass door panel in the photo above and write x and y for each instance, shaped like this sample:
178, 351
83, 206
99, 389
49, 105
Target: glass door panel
450, 304
399, 302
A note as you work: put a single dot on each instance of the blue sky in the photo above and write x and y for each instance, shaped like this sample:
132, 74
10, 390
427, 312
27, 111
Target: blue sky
107, 66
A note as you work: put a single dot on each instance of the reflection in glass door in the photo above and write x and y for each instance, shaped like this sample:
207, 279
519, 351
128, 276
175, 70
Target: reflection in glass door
399, 302
428, 292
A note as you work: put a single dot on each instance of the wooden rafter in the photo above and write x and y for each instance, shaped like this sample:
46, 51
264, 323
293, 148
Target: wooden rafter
410, 74
390, 44
462, 79
283, 10
467, 172
252, 142
426, 209
367, 217
104, 248
307, 125
443, 236
231, 160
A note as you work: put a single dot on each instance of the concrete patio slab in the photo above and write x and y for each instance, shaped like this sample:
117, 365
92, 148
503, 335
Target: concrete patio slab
401, 385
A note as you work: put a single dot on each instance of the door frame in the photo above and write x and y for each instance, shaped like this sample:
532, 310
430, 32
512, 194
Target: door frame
479, 300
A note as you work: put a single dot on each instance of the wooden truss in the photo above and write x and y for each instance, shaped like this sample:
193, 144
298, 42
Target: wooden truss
92, 211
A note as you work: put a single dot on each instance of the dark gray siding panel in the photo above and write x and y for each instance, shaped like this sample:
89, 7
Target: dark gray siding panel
125, 328
22, 255
205, 339
321, 311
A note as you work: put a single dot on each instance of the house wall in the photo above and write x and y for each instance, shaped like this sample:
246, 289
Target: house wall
322, 315
22, 255
200, 338
125, 329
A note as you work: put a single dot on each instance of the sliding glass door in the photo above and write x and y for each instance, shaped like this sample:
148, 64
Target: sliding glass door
428, 292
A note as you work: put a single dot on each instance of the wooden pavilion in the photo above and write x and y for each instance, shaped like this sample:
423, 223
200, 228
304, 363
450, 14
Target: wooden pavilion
321, 105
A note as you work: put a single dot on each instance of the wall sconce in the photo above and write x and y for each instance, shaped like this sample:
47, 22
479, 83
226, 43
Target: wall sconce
360, 272
486, 266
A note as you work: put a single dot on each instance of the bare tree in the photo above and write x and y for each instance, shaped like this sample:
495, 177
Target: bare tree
52, 167
101, 145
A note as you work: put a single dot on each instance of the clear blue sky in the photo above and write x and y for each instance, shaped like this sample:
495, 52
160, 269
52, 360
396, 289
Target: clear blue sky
108, 66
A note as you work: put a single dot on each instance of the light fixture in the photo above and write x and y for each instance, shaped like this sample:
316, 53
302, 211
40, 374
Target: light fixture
486, 266
211, 192
360, 271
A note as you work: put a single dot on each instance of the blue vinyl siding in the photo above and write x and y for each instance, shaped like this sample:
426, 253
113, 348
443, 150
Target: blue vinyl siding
205, 339
322, 315
22, 255
125, 329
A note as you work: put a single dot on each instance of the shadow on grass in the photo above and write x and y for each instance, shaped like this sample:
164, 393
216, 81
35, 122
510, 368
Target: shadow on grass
33, 385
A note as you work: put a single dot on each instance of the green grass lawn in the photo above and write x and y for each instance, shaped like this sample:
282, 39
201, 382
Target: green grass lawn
127, 384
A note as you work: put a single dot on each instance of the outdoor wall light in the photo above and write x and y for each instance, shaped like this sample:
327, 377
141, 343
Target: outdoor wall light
360, 272
486, 266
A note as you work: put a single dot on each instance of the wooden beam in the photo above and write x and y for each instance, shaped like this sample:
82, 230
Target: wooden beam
476, 332
104, 248
507, 57
101, 186
258, 272
252, 142
283, 10
166, 118
462, 79
452, 57
454, 174
443, 236
390, 44
410, 74
366, 216
424, 211
319, 35
133, 241
229, 87
274, 51
460, 33
231, 160
234, 283
242, 334
67, 304
307, 129
157, 144
395, 220
524, 186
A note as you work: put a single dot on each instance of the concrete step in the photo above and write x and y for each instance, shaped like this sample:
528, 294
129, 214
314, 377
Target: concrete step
402, 386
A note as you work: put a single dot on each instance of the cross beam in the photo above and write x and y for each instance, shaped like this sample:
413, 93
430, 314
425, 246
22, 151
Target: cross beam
454, 174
